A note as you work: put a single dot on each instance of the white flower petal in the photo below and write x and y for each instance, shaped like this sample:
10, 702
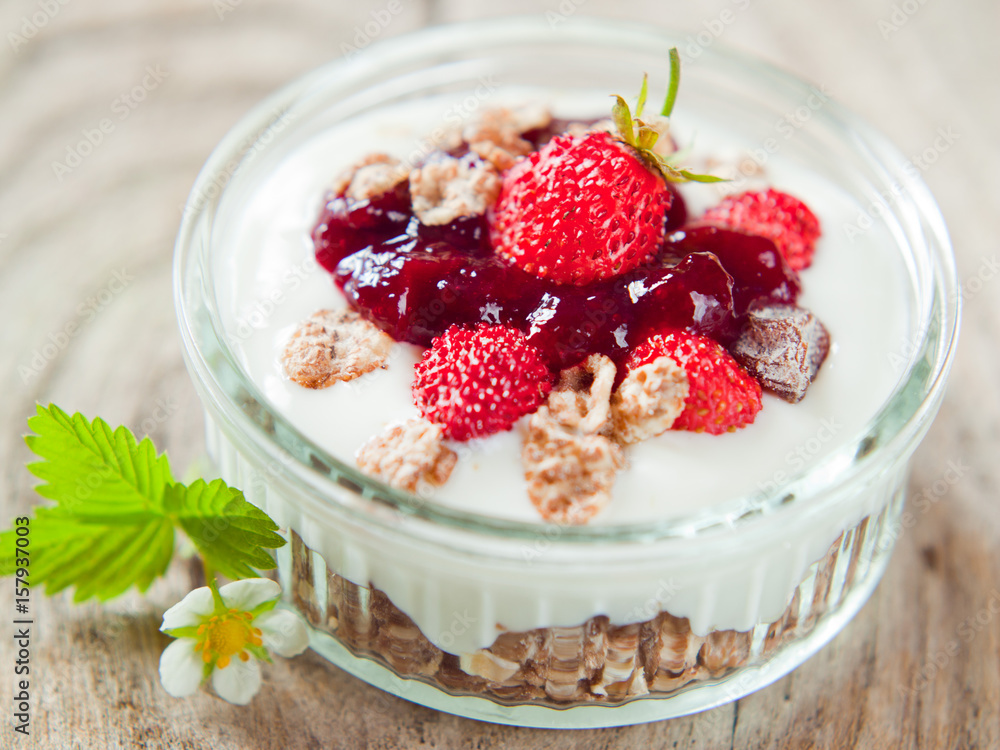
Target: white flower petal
283, 631
238, 682
180, 668
189, 610
249, 593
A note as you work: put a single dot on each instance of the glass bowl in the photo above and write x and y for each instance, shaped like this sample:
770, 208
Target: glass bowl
568, 626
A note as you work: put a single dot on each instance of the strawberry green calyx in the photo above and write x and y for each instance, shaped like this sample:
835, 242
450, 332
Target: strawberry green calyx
643, 136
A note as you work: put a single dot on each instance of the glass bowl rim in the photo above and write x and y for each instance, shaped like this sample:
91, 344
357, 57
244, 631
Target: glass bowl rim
324, 490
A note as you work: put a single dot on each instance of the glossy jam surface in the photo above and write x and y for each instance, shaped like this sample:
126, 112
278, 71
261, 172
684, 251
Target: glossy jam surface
415, 281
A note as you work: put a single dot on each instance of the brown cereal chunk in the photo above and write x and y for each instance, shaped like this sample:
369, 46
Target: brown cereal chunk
569, 475
649, 400
445, 188
496, 133
400, 641
622, 674
581, 401
677, 648
370, 177
723, 650
334, 345
500, 157
492, 668
407, 455
783, 347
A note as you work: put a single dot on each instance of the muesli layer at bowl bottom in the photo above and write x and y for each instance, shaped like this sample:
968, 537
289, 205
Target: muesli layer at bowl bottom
597, 661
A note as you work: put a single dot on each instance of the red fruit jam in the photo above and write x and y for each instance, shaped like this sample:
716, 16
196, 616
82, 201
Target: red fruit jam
414, 281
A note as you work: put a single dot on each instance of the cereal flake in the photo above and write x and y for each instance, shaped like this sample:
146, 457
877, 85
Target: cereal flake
649, 400
408, 455
581, 401
569, 475
445, 188
334, 345
370, 177
490, 667
496, 133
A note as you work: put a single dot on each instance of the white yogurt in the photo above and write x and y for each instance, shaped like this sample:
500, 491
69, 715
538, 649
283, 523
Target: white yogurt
268, 282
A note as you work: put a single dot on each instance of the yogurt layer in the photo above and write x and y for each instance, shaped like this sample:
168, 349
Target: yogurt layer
268, 281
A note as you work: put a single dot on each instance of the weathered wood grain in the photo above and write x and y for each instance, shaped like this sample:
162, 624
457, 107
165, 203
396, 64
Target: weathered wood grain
916, 668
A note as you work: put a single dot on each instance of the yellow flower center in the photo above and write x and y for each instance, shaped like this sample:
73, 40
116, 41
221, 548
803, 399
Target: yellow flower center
223, 636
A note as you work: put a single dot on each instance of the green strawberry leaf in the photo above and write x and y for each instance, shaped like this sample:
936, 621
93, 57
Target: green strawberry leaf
115, 512
230, 533
101, 558
91, 470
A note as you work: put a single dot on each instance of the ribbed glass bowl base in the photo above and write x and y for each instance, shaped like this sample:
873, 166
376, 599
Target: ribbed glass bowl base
359, 630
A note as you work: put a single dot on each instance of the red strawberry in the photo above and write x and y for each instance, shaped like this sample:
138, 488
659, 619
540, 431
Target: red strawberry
783, 219
593, 206
722, 395
477, 381
582, 208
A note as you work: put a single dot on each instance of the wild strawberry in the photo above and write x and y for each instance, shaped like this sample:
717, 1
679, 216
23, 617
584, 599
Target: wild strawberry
593, 206
781, 218
722, 396
581, 209
477, 381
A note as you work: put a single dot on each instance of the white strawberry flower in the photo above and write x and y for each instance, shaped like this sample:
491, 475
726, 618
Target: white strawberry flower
223, 634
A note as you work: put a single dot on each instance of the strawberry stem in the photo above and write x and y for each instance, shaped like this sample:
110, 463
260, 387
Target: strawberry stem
675, 80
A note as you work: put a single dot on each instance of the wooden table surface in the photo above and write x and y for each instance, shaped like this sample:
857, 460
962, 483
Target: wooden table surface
918, 667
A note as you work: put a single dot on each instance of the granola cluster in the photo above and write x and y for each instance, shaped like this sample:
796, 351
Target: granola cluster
569, 461
569, 474
370, 177
581, 400
649, 400
495, 134
446, 188
332, 346
409, 455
